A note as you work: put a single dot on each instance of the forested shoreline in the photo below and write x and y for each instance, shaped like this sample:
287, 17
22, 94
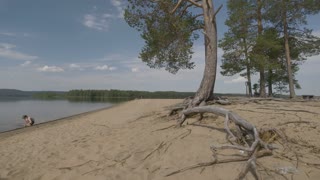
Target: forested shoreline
91, 94
131, 94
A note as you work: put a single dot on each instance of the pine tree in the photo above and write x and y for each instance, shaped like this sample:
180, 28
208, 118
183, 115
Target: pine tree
288, 16
169, 29
238, 40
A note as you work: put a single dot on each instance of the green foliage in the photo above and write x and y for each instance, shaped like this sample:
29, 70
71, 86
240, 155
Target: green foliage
168, 36
287, 17
238, 39
255, 87
301, 41
49, 95
14, 93
266, 50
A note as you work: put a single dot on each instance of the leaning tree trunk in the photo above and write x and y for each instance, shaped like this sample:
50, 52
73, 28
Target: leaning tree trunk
205, 91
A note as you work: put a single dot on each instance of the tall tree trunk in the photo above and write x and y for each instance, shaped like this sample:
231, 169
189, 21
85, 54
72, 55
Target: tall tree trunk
287, 51
205, 91
248, 66
261, 69
270, 80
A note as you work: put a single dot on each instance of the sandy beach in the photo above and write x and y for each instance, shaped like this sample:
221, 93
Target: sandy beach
136, 140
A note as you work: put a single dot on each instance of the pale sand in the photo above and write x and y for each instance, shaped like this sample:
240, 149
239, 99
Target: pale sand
136, 140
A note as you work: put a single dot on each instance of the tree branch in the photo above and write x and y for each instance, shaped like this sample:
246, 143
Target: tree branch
197, 28
195, 3
214, 15
185, 9
176, 7
196, 16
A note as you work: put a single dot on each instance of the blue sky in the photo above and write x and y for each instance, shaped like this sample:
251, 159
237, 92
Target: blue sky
86, 44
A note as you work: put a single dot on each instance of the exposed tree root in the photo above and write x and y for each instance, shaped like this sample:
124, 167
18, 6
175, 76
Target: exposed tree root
140, 118
270, 171
246, 138
188, 103
219, 100
156, 149
91, 171
171, 126
174, 110
290, 110
186, 134
71, 167
294, 122
247, 110
261, 153
100, 125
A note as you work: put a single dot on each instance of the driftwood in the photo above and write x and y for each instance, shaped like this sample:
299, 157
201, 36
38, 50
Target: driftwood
246, 138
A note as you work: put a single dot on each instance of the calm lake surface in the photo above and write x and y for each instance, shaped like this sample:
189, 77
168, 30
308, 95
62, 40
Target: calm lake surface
11, 110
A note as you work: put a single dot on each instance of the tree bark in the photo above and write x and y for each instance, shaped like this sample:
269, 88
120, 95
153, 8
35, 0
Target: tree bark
205, 91
270, 80
248, 66
287, 51
261, 69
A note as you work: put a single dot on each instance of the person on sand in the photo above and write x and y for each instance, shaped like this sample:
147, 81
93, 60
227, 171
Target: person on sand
29, 120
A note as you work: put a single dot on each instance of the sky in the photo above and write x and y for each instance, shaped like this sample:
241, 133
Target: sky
62, 45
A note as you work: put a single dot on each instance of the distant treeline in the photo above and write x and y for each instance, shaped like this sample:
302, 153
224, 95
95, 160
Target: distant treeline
50, 95
98, 94
114, 93
14, 93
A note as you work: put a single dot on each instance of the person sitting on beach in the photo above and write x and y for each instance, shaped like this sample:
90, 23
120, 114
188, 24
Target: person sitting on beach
29, 120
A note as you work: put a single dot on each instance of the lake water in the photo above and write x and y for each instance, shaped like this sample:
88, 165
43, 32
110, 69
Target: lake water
12, 110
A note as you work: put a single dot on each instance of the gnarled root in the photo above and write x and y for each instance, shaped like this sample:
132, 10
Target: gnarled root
247, 137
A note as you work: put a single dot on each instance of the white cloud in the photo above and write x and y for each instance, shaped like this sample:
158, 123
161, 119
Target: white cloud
7, 46
105, 67
26, 34
135, 69
118, 4
112, 68
11, 34
239, 79
27, 63
99, 23
107, 15
74, 66
50, 69
7, 34
6, 51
